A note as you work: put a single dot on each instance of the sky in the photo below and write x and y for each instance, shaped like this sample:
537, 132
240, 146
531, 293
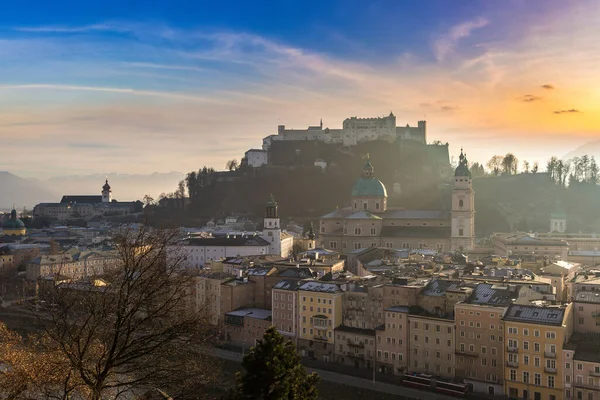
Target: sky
144, 86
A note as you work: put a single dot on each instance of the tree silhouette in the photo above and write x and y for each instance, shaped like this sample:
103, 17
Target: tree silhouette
273, 372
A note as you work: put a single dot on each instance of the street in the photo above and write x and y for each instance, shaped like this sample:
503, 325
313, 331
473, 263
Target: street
352, 381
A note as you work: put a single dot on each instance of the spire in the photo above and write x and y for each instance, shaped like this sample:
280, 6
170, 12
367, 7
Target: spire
368, 170
463, 165
311, 232
321, 124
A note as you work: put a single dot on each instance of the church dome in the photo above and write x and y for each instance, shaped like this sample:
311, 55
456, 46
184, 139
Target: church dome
106, 186
13, 225
368, 185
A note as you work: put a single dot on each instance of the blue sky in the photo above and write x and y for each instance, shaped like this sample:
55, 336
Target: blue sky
143, 86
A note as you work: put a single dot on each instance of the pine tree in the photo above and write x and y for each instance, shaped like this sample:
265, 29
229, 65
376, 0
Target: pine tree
273, 372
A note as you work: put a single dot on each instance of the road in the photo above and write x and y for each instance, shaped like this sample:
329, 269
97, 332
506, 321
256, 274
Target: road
353, 381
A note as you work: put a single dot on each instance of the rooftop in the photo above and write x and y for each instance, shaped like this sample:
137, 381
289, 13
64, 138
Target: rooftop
416, 231
438, 287
494, 295
403, 309
287, 285
587, 297
257, 313
552, 316
314, 286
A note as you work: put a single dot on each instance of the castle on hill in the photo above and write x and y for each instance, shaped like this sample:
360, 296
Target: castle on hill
368, 222
354, 130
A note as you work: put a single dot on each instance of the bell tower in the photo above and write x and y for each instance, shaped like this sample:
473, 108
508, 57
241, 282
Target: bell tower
106, 192
463, 207
272, 227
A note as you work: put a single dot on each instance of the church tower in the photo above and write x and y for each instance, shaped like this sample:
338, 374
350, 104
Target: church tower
558, 218
463, 207
272, 227
106, 193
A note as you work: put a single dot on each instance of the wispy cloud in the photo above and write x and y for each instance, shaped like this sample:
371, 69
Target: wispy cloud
446, 44
547, 86
128, 91
570, 111
73, 29
529, 98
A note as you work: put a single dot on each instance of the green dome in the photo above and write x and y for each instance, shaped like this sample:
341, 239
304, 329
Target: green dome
463, 166
369, 187
13, 222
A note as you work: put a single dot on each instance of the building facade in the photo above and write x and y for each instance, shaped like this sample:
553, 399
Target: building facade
534, 339
368, 222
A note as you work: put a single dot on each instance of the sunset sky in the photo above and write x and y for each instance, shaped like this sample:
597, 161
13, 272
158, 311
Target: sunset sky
99, 86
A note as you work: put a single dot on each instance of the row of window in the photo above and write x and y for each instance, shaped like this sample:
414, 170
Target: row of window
550, 348
537, 378
319, 300
536, 333
477, 336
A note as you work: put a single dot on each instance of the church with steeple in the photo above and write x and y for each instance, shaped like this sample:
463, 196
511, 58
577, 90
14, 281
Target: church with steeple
86, 206
369, 222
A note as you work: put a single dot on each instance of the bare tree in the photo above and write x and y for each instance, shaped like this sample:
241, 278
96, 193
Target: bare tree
495, 165
231, 165
510, 164
526, 166
135, 329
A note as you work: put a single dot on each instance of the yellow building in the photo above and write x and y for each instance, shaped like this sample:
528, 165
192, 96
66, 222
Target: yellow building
533, 352
13, 226
319, 312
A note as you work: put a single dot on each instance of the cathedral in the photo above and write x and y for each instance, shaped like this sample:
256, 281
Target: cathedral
368, 222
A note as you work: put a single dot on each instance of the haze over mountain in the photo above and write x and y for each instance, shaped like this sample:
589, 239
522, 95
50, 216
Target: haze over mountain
125, 187
590, 149
21, 192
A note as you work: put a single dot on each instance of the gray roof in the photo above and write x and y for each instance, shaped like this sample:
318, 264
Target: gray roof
535, 315
416, 232
403, 309
416, 214
438, 287
587, 297
257, 313
287, 285
314, 286
363, 215
494, 295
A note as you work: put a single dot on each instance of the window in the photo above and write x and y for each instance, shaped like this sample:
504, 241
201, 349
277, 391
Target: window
550, 335
525, 345
333, 245
550, 381
513, 375
536, 347
536, 333
461, 232
536, 361
373, 231
525, 359
525, 332
513, 331
377, 205
365, 206
461, 203
537, 379
357, 231
568, 366
525, 377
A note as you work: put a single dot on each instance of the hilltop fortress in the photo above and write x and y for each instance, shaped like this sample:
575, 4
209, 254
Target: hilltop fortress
354, 130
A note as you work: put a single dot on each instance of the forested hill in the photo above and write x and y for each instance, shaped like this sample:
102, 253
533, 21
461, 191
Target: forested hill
305, 191
525, 201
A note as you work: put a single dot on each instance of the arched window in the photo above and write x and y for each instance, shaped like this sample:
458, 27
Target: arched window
461, 203
355, 205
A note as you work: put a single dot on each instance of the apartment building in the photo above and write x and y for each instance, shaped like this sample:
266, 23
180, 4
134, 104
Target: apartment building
586, 312
533, 350
244, 327
431, 345
405, 294
392, 341
582, 367
320, 312
354, 346
285, 308
236, 293
363, 306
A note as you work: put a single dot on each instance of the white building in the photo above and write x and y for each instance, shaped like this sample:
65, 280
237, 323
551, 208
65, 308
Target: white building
272, 240
256, 158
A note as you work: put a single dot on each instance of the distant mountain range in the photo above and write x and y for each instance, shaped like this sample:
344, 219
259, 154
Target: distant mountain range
125, 187
590, 149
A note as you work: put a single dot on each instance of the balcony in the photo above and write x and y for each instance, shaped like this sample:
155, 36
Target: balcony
513, 364
360, 345
549, 354
549, 370
320, 338
594, 373
581, 385
466, 353
512, 349
596, 314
